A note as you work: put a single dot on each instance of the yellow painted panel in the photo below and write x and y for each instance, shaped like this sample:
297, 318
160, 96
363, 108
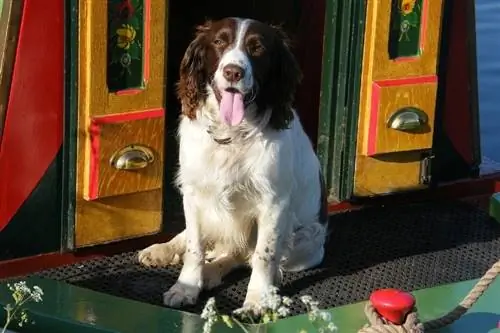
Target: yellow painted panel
388, 173
394, 98
96, 99
119, 216
382, 67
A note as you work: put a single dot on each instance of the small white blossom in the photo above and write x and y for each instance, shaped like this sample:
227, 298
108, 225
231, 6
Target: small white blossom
283, 311
325, 316
331, 327
271, 299
209, 313
21, 294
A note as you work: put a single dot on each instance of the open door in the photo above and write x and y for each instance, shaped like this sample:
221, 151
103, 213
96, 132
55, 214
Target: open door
378, 114
118, 114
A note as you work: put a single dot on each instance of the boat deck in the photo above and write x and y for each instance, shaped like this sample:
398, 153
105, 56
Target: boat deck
409, 247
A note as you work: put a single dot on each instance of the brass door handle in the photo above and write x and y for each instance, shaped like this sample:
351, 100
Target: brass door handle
132, 157
408, 119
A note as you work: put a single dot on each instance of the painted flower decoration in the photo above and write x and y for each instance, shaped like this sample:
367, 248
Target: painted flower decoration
126, 36
407, 6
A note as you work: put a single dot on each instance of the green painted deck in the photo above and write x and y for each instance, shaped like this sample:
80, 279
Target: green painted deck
67, 308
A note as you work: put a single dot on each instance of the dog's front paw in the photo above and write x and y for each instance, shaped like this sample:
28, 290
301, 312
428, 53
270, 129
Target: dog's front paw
159, 255
181, 294
253, 303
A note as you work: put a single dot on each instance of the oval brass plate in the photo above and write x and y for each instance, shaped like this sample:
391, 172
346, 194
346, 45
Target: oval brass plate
132, 157
408, 119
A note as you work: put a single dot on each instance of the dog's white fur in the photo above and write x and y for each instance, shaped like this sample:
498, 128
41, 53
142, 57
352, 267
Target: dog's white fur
255, 200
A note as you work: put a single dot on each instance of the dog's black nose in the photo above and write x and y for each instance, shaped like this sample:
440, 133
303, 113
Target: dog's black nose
233, 73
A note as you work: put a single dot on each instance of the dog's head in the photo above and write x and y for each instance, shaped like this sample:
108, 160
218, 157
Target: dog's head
243, 61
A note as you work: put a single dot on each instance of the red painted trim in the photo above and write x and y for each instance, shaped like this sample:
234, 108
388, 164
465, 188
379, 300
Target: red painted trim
33, 132
95, 141
129, 116
147, 43
407, 59
28, 265
95, 148
127, 92
373, 124
375, 104
408, 80
451, 191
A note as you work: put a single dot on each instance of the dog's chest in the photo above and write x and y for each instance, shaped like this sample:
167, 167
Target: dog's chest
227, 171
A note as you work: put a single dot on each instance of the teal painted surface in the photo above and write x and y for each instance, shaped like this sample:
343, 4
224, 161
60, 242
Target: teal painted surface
495, 206
432, 303
72, 309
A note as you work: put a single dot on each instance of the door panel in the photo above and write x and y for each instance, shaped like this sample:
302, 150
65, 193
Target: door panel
120, 135
399, 80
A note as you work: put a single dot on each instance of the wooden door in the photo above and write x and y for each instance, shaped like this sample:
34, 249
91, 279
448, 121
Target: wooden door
379, 100
398, 95
120, 115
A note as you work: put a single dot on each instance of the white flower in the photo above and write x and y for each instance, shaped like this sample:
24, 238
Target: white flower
325, 316
209, 313
283, 311
331, 327
287, 301
271, 299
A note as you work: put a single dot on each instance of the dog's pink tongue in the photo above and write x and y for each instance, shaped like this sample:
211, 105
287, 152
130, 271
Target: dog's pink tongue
232, 108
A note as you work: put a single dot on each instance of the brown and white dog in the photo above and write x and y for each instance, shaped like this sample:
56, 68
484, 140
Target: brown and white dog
251, 182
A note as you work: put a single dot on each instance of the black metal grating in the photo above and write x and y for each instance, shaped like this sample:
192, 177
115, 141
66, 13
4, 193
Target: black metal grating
408, 247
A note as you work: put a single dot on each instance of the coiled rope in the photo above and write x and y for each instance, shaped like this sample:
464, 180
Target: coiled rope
412, 325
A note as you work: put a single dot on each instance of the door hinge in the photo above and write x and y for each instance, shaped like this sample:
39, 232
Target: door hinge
425, 170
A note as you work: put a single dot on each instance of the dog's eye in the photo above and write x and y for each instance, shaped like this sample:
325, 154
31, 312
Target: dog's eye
218, 42
256, 49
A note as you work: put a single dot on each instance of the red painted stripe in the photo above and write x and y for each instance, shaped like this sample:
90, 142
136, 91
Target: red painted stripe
34, 121
95, 147
407, 81
373, 124
129, 116
95, 141
126, 92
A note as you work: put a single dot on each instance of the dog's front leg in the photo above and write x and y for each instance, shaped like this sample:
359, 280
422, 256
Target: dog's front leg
272, 232
190, 281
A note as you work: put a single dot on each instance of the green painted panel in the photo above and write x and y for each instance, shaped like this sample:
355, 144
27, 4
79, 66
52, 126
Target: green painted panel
125, 44
406, 21
339, 99
67, 308
495, 206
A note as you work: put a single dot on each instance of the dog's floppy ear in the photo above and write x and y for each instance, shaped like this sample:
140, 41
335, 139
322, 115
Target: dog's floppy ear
283, 82
191, 88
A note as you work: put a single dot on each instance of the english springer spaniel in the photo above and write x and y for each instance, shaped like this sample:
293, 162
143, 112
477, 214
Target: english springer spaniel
250, 180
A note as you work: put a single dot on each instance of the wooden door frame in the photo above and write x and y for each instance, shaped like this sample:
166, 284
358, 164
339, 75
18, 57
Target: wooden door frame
339, 102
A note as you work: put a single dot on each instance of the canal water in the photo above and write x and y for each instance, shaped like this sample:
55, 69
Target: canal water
488, 61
